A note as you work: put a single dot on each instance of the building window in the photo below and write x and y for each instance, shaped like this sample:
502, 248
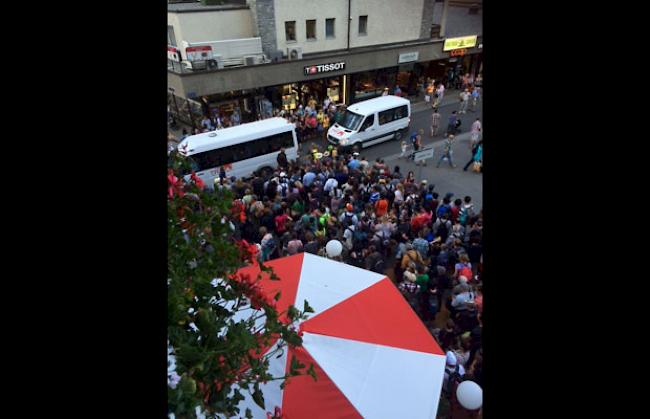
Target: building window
290, 30
329, 28
311, 29
171, 38
363, 25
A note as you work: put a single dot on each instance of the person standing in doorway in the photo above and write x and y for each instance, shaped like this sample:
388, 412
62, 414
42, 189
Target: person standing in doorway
447, 151
435, 122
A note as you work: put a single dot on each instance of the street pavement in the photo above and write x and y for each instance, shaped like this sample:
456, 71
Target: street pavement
445, 179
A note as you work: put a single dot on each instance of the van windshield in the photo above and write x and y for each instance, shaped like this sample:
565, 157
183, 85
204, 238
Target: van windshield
351, 120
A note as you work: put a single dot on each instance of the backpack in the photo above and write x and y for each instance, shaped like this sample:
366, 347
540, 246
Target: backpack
453, 380
284, 190
347, 219
311, 247
442, 231
464, 215
443, 209
379, 267
466, 272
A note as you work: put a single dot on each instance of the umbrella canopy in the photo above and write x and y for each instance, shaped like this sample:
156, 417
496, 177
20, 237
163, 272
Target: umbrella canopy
372, 355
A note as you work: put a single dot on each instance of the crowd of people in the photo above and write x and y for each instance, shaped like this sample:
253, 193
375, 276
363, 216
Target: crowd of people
387, 222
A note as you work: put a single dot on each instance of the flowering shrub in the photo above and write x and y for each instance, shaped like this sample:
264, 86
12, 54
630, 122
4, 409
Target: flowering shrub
221, 324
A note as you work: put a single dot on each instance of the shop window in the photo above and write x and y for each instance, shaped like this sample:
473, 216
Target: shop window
329, 28
290, 30
363, 25
370, 121
311, 29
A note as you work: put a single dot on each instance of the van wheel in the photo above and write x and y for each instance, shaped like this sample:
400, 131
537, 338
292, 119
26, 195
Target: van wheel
399, 135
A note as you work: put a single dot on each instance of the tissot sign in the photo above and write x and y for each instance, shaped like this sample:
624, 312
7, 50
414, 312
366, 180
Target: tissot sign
310, 70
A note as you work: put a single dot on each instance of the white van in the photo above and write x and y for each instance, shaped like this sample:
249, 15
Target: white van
241, 150
372, 121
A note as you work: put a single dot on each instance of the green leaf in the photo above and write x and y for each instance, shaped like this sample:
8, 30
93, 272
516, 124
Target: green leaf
258, 398
307, 308
312, 372
277, 296
249, 414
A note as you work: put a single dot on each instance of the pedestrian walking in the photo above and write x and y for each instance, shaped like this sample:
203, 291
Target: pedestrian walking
451, 125
435, 122
440, 93
475, 132
464, 100
404, 147
474, 99
477, 154
447, 151
429, 93
418, 142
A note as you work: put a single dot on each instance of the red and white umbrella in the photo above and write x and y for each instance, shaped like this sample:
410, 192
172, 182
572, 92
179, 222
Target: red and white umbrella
372, 355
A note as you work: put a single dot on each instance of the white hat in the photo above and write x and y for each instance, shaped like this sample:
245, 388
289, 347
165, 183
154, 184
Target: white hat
282, 174
462, 279
451, 359
355, 154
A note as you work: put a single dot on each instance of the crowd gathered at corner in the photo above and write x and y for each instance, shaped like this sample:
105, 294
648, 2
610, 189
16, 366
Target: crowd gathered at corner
387, 222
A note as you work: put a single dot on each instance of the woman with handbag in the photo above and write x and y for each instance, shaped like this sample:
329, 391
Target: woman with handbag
477, 155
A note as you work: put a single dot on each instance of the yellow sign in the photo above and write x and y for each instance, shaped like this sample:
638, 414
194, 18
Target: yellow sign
462, 42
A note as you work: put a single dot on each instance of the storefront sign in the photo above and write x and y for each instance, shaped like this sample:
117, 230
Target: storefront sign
199, 53
310, 70
457, 52
462, 42
424, 154
408, 57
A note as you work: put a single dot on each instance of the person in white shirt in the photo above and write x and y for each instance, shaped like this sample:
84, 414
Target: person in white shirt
330, 184
441, 93
452, 367
464, 100
476, 132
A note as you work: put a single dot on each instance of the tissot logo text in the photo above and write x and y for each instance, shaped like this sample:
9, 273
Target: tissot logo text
324, 68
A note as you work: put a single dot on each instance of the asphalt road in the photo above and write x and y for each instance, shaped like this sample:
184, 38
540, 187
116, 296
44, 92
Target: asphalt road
445, 179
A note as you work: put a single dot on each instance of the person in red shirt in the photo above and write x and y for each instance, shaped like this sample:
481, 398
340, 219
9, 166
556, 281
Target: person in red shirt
381, 207
455, 210
281, 222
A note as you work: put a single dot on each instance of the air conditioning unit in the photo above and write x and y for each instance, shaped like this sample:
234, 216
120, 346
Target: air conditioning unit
294, 53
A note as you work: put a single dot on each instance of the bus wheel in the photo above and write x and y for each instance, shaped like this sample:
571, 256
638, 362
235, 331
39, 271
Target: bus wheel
265, 172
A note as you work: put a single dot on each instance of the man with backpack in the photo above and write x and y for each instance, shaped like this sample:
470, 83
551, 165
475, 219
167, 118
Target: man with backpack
466, 211
453, 376
348, 217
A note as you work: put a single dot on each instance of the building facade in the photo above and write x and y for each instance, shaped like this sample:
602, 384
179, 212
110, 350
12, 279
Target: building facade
349, 50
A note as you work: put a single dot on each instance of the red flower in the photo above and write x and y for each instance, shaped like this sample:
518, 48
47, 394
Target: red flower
247, 251
198, 181
175, 185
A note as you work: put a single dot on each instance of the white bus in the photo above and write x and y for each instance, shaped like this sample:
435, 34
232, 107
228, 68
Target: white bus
241, 150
